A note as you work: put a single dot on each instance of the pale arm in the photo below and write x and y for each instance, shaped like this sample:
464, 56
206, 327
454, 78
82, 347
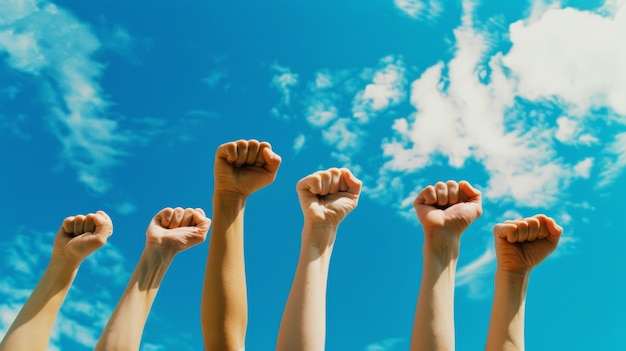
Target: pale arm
506, 326
326, 198
78, 237
444, 210
303, 326
224, 308
241, 168
433, 327
171, 231
520, 246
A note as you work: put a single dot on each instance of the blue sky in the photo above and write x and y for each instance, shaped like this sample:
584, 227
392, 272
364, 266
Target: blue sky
120, 106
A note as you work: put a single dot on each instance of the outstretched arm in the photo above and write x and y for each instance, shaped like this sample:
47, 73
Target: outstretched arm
445, 210
241, 168
77, 237
170, 231
520, 246
326, 198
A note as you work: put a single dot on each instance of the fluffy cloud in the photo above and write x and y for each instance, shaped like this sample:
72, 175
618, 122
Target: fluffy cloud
576, 57
386, 89
50, 44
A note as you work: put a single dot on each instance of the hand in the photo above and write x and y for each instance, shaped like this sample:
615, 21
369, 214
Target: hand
244, 166
177, 229
81, 235
328, 196
523, 243
450, 206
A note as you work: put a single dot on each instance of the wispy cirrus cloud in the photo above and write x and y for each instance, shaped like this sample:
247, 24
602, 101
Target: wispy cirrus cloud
284, 81
429, 10
48, 43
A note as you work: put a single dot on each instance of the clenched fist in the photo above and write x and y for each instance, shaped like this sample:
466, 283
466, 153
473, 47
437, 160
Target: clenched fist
522, 244
449, 206
177, 229
244, 166
328, 196
81, 235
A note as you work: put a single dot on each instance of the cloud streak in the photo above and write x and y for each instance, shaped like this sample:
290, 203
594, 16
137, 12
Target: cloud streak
53, 47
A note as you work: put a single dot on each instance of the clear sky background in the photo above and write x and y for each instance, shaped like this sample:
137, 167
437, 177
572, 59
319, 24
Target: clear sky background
120, 105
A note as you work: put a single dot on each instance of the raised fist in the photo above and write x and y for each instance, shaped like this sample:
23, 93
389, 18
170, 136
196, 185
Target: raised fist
522, 244
177, 229
328, 196
244, 166
449, 206
81, 235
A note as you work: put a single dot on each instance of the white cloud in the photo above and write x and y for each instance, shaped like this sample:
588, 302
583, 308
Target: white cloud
152, 347
583, 168
126, 207
386, 345
569, 131
421, 9
576, 57
320, 113
387, 89
49, 43
474, 274
298, 143
342, 137
467, 108
323, 79
284, 81
109, 263
615, 162
215, 77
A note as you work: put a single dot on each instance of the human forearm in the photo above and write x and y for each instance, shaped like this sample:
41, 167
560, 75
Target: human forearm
125, 327
224, 311
33, 325
303, 325
506, 327
433, 328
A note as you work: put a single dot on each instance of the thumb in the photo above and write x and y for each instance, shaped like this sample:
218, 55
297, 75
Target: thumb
272, 160
472, 194
103, 223
554, 229
353, 183
202, 222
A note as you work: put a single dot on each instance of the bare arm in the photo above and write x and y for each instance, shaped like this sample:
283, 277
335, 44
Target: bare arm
78, 237
520, 246
445, 211
171, 231
241, 168
326, 197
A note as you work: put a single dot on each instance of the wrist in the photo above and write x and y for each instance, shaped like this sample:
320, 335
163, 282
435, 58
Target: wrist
154, 254
442, 242
318, 239
230, 196
65, 263
63, 269
513, 274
